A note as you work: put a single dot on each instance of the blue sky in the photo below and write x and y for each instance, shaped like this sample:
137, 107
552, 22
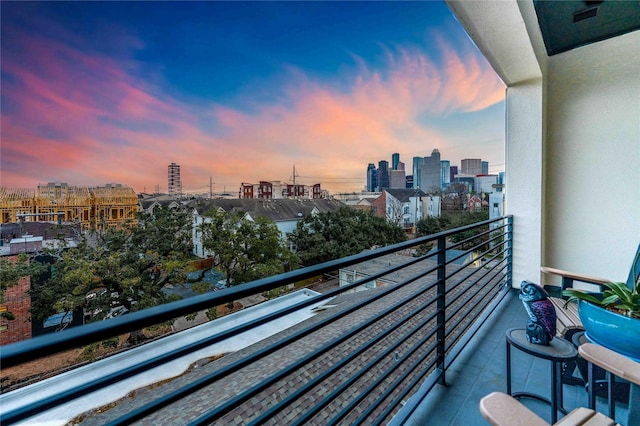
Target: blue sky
97, 92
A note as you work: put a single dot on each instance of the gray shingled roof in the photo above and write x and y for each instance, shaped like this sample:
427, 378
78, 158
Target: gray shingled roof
146, 200
276, 210
403, 195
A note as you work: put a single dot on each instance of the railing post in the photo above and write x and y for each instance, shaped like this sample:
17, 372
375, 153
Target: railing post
441, 304
509, 250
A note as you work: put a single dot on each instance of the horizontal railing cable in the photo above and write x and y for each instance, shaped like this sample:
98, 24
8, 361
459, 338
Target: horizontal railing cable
28, 350
472, 287
405, 389
459, 329
410, 369
478, 313
453, 288
99, 383
454, 351
344, 361
124, 373
432, 380
186, 390
364, 392
239, 399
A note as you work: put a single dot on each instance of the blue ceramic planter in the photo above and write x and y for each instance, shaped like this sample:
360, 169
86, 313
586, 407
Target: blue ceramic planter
614, 331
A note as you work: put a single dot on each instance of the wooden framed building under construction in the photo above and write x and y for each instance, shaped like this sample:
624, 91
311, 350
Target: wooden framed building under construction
92, 207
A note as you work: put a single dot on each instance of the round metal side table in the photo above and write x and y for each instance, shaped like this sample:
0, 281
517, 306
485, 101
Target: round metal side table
558, 351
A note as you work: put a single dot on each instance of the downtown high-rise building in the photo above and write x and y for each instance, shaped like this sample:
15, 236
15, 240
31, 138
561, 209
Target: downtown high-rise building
445, 173
383, 174
417, 169
174, 183
430, 173
372, 177
485, 168
397, 179
471, 166
453, 171
395, 159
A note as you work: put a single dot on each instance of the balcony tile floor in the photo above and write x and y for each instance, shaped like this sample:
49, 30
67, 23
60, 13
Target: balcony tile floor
481, 369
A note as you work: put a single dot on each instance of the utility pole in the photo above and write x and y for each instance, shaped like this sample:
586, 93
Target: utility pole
210, 187
295, 188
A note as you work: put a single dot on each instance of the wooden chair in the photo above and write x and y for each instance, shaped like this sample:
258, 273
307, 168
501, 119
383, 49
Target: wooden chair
500, 409
568, 321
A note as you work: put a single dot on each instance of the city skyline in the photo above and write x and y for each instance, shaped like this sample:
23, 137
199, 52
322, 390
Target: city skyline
95, 93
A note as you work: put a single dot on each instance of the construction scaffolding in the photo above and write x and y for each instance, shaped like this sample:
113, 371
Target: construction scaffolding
93, 208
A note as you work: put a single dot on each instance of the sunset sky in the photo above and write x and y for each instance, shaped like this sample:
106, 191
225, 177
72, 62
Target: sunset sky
113, 92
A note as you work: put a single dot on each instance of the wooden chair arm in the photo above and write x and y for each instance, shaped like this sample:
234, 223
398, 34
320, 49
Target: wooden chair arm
574, 276
501, 409
620, 365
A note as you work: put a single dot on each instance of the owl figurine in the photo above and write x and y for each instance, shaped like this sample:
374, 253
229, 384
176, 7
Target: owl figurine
542, 315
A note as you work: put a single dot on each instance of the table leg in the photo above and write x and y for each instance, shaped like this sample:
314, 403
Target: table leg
592, 384
556, 389
508, 368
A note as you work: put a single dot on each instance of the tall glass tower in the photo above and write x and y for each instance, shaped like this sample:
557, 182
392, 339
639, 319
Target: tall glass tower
372, 177
417, 169
445, 176
485, 167
383, 174
395, 159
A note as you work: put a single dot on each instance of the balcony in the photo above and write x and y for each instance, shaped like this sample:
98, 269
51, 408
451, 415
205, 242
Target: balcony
572, 132
422, 348
362, 354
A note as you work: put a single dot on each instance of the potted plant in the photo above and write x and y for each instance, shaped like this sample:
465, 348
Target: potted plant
611, 318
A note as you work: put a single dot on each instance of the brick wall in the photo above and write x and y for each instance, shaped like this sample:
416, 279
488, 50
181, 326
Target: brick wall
17, 301
379, 205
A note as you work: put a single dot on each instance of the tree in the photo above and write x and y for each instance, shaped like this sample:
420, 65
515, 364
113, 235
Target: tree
124, 268
394, 210
245, 250
332, 235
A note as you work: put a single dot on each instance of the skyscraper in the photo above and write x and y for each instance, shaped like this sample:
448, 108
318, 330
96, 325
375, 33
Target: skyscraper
485, 168
453, 171
395, 159
383, 174
471, 166
174, 185
445, 177
430, 176
417, 169
372, 177
397, 179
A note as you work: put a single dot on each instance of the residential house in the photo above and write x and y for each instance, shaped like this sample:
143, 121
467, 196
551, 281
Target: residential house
406, 206
285, 213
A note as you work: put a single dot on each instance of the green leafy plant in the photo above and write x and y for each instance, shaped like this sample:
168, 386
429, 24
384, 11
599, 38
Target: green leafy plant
617, 297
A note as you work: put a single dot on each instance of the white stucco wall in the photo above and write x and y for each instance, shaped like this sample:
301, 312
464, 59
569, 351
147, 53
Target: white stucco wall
523, 154
572, 142
592, 158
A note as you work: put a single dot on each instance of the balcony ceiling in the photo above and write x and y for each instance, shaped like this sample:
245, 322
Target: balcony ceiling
568, 24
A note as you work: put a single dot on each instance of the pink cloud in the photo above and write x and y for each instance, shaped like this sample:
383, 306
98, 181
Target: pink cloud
89, 120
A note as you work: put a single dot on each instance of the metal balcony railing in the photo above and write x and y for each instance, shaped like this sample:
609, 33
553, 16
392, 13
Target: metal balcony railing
368, 357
